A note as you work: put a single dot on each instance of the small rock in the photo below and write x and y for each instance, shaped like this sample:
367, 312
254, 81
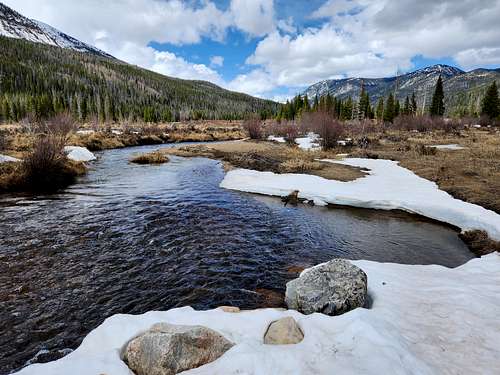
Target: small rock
332, 288
230, 309
283, 332
168, 349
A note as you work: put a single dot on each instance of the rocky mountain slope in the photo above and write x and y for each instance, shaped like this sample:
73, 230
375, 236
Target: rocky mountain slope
15, 25
463, 90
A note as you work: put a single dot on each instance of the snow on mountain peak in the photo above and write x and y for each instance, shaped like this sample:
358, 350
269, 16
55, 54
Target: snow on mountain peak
15, 25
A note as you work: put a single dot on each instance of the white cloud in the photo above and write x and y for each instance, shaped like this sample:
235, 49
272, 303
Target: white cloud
167, 63
378, 38
255, 17
217, 61
479, 57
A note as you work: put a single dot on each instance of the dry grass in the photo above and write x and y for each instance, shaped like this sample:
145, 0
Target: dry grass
471, 174
479, 242
155, 157
268, 156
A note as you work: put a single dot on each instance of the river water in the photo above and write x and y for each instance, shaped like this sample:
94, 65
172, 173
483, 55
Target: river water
128, 238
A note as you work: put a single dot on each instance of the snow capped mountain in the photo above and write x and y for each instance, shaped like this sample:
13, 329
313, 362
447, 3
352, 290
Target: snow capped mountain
421, 82
15, 25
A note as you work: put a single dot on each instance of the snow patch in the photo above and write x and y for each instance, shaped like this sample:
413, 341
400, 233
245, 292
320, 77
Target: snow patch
7, 158
387, 186
77, 153
453, 146
309, 142
424, 320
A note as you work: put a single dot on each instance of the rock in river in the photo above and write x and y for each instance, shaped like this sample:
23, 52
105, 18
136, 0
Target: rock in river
168, 349
332, 288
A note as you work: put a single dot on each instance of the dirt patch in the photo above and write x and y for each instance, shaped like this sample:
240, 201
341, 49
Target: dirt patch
268, 156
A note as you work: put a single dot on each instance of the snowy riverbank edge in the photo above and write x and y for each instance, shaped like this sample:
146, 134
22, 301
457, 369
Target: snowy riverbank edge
387, 186
424, 319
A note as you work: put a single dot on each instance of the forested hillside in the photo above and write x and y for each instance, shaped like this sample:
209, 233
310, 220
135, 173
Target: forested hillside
44, 80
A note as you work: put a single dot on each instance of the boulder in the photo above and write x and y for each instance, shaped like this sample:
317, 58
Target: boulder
168, 349
331, 288
283, 332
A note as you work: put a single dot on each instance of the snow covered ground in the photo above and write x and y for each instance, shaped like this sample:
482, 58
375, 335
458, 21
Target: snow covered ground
311, 141
424, 320
77, 153
387, 186
7, 158
448, 147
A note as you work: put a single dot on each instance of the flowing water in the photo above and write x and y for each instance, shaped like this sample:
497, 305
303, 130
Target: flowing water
129, 238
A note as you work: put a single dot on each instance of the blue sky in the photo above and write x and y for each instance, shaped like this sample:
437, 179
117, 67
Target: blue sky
275, 49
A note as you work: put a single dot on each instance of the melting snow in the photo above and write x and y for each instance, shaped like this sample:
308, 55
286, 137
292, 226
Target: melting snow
387, 186
448, 147
311, 141
424, 320
7, 158
79, 153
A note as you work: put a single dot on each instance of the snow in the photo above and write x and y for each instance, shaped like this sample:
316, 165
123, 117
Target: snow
85, 132
7, 158
309, 142
77, 153
453, 146
387, 186
424, 320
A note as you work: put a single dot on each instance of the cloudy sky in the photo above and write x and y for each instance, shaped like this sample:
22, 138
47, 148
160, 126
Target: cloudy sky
276, 48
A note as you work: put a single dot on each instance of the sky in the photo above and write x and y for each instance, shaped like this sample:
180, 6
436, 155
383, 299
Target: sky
275, 49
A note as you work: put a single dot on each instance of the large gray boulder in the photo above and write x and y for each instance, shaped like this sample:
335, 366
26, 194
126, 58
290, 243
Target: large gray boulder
332, 288
168, 349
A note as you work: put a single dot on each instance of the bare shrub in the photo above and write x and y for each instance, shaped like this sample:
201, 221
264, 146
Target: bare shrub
46, 166
61, 125
290, 131
254, 127
329, 129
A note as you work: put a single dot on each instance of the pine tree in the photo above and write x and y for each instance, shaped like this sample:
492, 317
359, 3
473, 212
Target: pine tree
406, 108
397, 109
491, 103
389, 109
413, 105
364, 103
379, 113
437, 105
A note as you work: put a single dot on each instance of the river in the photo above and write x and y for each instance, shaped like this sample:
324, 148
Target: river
129, 238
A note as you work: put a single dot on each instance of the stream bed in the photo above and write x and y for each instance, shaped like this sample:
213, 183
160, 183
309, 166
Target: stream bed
129, 238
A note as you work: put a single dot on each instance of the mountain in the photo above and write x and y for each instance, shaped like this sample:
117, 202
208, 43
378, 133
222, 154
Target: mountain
15, 25
44, 71
463, 90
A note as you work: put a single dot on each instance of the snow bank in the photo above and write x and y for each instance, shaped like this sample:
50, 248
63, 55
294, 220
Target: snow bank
424, 320
453, 146
387, 186
79, 153
7, 158
311, 141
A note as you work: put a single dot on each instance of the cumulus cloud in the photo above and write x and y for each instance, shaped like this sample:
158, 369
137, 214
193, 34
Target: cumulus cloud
379, 38
255, 17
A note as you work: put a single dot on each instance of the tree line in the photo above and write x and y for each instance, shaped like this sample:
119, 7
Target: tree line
385, 110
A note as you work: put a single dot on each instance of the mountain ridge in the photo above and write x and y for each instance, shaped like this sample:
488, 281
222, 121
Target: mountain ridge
463, 89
